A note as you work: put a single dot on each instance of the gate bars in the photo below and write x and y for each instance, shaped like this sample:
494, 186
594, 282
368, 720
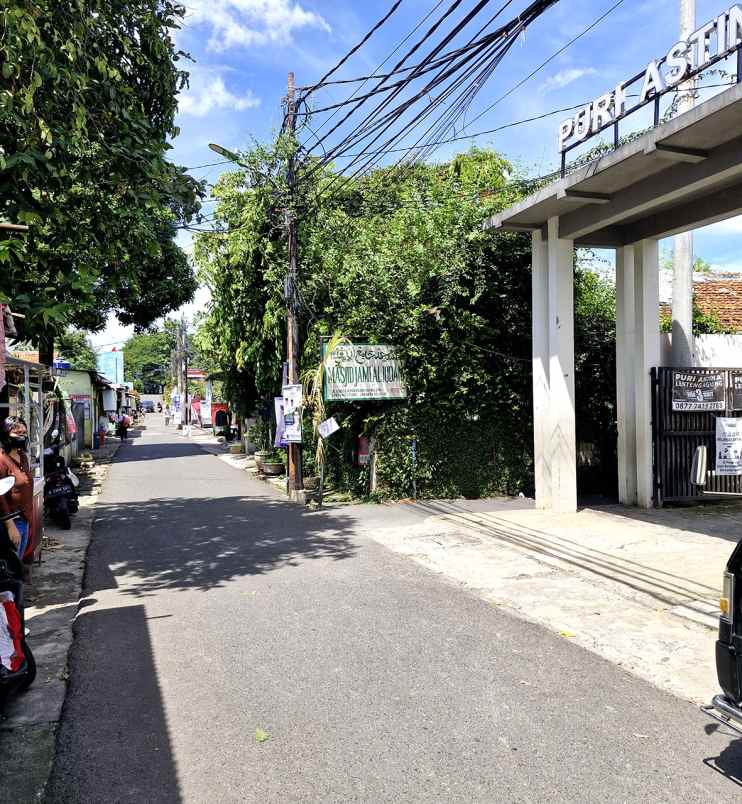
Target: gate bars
675, 436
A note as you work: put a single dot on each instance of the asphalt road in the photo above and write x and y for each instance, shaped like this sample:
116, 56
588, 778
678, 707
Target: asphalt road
216, 613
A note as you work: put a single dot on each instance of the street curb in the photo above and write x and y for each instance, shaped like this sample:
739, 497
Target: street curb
29, 725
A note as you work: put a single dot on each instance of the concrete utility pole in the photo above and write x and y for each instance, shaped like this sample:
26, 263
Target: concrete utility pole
187, 407
296, 482
683, 352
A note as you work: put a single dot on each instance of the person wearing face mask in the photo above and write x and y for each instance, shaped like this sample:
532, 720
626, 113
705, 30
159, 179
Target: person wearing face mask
14, 462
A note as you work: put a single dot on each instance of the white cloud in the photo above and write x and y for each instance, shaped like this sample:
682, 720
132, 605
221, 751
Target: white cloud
245, 23
564, 78
206, 94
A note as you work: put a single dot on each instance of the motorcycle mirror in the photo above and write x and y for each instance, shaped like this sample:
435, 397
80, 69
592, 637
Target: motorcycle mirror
698, 468
6, 484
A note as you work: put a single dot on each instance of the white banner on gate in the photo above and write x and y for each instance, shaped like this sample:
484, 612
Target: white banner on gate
728, 446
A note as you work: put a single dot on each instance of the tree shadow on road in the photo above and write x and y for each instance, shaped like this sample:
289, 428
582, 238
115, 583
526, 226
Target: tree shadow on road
114, 743
202, 543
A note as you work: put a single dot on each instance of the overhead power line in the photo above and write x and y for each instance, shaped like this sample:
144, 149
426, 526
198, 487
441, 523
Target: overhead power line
460, 81
551, 58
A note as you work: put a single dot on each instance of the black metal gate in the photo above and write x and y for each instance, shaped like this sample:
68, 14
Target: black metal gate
676, 434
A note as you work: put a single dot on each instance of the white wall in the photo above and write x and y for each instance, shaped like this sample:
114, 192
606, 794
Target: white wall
712, 351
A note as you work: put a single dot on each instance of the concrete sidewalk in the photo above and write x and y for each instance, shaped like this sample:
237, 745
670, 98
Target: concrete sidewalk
28, 724
640, 588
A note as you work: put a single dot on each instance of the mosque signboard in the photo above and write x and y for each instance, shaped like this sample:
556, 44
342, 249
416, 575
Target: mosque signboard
363, 371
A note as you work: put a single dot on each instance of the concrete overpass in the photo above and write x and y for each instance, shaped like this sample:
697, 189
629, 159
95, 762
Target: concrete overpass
678, 176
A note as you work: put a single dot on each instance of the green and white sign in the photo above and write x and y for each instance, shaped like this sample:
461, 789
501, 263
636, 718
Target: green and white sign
360, 371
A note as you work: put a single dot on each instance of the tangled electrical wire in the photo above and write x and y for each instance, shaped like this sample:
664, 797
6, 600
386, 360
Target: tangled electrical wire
425, 99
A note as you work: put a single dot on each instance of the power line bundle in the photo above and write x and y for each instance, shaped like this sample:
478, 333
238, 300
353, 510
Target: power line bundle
424, 100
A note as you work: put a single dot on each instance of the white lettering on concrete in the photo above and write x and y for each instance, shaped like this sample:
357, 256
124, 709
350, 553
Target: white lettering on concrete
653, 82
691, 54
679, 63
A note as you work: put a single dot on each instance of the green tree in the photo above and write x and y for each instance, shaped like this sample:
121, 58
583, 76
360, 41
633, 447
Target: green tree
88, 96
400, 256
75, 347
147, 357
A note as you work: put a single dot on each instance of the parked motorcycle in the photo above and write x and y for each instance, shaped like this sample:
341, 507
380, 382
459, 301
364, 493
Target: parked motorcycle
22, 672
60, 488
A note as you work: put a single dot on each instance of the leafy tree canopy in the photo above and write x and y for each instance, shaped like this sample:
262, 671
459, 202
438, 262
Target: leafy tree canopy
75, 347
401, 256
147, 357
88, 96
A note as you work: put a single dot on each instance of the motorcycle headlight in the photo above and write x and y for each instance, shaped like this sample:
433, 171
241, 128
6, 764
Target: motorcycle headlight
726, 602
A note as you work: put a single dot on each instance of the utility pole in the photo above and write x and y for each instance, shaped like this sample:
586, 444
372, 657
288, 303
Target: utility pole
187, 408
682, 265
296, 482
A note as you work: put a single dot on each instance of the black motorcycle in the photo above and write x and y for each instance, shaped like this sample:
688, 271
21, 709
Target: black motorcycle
60, 489
11, 580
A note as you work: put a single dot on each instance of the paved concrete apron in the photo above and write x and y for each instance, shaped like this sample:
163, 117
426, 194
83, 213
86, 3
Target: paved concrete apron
217, 613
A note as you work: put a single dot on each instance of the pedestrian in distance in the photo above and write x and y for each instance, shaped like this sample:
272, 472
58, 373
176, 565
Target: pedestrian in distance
123, 426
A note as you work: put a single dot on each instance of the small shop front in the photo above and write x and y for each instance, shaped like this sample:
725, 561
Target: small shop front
23, 395
84, 390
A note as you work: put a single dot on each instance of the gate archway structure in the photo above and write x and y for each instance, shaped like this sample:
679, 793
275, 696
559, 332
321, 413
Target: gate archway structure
681, 175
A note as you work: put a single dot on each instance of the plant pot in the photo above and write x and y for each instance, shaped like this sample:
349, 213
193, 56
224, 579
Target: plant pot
311, 483
273, 469
260, 457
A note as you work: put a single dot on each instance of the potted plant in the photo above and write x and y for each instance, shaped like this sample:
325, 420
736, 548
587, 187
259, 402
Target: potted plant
272, 465
258, 435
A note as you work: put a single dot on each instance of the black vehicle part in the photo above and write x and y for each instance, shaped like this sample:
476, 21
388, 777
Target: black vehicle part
723, 710
61, 514
30, 675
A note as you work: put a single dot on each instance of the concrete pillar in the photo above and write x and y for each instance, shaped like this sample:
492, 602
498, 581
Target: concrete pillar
625, 375
540, 340
562, 370
682, 301
646, 355
683, 348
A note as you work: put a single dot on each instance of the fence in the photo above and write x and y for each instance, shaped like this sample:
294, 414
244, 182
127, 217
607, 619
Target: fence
676, 434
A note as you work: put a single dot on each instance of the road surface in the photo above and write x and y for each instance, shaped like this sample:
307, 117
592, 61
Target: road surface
234, 647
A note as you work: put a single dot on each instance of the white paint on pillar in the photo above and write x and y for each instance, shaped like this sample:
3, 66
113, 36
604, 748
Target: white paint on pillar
646, 356
540, 333
625, 379
562, 371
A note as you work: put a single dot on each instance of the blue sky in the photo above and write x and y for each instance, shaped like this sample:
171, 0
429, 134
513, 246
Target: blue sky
243, 49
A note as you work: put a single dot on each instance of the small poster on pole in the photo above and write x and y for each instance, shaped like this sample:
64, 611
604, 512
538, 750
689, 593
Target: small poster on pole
693, 391
728, 446
328, 427
280, 439
292, 397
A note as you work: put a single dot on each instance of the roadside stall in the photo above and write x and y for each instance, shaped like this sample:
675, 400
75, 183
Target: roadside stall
23, 395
